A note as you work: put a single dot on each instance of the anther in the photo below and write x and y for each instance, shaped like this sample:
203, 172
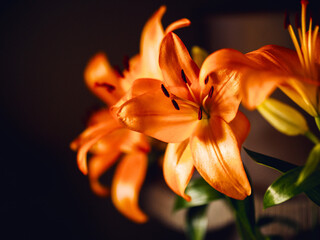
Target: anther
118, 71
200, 113
211, 91
183, 75
108, 86
125, 62
206, 80
175, 104
165, 91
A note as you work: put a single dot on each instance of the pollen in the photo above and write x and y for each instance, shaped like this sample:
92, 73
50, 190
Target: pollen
109, 87
165, 91
183, 76
175, 104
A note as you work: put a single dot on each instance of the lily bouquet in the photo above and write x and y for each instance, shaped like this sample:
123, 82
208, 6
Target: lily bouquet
191, 102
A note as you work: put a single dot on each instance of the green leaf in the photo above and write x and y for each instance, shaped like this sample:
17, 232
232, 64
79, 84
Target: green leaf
282, 166
283, 117
271, 162
197, 222
201, 193
286, 187
311, 165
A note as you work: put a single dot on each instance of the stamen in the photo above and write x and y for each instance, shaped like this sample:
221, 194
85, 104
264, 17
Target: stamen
211, 92
175, 104
118, 71
206, 80
125, 62
183, 75
185, 79
108, 86
296, 44
165, 91
200, 113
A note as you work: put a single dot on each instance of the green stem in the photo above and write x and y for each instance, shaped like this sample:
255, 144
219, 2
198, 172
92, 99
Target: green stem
313, 138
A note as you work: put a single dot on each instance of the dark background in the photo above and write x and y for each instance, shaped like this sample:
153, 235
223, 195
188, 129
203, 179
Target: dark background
44, 47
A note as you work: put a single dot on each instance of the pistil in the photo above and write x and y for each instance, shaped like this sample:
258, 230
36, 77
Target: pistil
185, 80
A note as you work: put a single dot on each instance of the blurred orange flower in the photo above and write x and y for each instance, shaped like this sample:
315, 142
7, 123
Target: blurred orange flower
197, 114
296, 73
105, 138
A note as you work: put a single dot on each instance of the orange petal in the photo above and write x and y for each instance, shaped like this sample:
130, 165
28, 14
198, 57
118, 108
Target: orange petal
178, 167
102, 79
217, 158
135, 141
240, 126
184, 22
304, 94
175, 57
138, 87
225, 98
151, 38
126, 184
154, 115
99, 132
98, 165
259, 72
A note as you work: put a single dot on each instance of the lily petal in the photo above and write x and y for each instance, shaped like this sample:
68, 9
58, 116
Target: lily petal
98, 132
151, 37
98, 165
138, 87
184, 22
126, 184
240, 126
175, 57
178, 167
260, 71
304, 94
225, 99
216, 156
102, 80
154, 115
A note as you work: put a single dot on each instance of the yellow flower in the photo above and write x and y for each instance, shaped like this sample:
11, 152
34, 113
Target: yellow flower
197, 116
105, 137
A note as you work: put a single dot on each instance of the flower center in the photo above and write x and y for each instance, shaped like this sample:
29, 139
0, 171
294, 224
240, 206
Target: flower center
305, 47
202, 113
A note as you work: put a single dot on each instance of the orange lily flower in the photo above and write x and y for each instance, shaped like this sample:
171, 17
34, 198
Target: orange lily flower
105, 137
296, 73
197, 114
